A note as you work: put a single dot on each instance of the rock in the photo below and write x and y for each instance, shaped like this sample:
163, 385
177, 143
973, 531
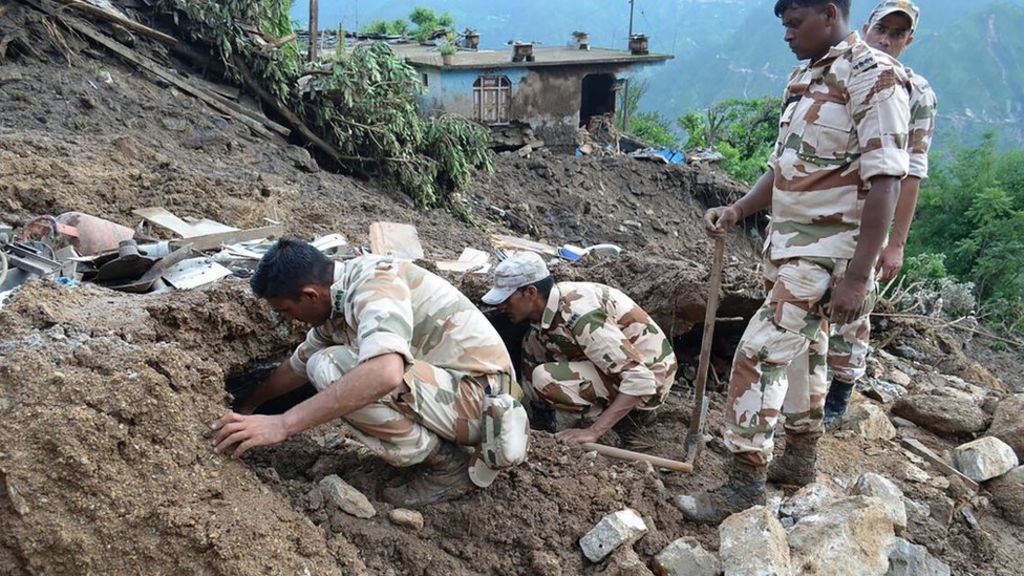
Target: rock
611, 532
346, 497
885, 490
625, 562
985, 458
870, 422
683, 559
907, 559
1008, 494
807, 500
904, 351
900, 377
753, 543
916, 511
314, 498
852, 537
902, 422
943, 415
913, 473
1008, 423
973, 391
881, 390
407, 518
302, 160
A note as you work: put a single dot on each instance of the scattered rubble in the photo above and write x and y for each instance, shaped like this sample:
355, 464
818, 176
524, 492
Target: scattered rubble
851, 537
1008, 423
985, 458
682, 558
753, 543
406, 518
1008, 494
908, 559
612, 531
944, 415
880, 487
346, 497
869, 422
807, 500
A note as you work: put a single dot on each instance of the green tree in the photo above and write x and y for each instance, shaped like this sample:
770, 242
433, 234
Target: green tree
744, 131
650, 127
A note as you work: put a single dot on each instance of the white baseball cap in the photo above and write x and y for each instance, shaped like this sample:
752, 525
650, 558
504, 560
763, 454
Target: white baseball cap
518, 270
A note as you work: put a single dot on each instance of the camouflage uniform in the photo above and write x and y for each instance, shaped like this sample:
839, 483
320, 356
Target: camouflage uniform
848, 350
592, 343
452, 355
844, 122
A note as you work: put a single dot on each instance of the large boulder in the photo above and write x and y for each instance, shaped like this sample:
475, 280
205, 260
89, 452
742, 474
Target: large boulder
1008, 494
944, 415
908, 559
807, 500
753, 543
1008, 423
985, 458
851, 537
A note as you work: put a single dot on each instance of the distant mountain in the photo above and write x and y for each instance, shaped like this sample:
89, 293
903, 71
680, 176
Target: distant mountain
970, 50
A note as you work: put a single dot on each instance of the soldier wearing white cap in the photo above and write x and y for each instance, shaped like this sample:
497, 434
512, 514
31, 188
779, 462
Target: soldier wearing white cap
591, 354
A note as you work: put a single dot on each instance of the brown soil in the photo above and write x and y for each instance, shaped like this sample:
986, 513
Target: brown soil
105, 397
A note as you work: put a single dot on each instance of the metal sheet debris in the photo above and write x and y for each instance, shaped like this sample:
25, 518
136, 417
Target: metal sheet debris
194, 272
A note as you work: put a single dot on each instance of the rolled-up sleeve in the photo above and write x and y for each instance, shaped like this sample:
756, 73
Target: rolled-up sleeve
612, 353
380, 304
880, 108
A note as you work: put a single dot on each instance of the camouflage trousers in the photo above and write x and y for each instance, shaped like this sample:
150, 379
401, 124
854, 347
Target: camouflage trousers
789, 332
578, 387
404, 428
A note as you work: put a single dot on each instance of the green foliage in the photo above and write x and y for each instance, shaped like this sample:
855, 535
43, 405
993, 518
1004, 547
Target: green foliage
970, 218
650, 127
447, 49
363, 103
396, 27
744, 131
428, 22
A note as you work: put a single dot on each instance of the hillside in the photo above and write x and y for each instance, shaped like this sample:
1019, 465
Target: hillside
970, 51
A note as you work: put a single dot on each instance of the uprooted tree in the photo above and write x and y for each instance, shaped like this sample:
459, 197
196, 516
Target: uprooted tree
358, 108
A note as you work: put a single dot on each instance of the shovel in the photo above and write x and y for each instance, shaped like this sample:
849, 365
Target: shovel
698, 420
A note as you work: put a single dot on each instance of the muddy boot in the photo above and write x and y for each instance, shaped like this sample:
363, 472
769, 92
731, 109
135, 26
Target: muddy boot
444, 475
743, 489
836, 402
796, 467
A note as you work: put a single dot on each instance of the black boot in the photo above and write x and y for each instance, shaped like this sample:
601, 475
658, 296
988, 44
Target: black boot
797, 466
836, 402
743, 489
444, 475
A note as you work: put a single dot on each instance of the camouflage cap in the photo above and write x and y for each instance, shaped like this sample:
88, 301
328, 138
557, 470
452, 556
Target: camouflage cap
518, 270
886, 7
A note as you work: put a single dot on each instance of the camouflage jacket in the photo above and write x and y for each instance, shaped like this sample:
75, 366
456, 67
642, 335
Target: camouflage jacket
923, 105
383, 305
845, 120
585, 321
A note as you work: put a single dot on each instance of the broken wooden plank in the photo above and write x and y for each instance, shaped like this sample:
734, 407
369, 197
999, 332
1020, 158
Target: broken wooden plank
128, 23
214, 241
915, 446
392, 239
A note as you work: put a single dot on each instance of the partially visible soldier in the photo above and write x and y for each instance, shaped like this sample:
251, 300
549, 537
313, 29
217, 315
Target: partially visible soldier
398, 353
832, 186
591, 353
890, 28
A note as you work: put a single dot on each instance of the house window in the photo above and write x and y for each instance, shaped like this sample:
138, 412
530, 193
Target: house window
426, 80
492, 99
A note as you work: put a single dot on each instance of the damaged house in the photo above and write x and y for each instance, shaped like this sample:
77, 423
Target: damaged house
553, 90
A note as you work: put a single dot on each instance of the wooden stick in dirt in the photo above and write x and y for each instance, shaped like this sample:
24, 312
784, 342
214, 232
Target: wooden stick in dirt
620, 454
697, 418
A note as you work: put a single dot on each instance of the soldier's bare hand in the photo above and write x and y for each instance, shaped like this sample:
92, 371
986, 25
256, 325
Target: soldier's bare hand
577, 436
848, 301
720, 219
890, 263
247, 432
